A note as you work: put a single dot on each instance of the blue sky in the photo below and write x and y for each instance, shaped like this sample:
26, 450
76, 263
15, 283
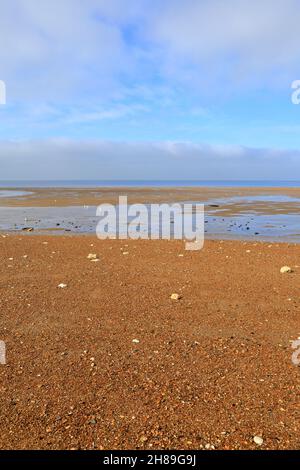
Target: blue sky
195, 89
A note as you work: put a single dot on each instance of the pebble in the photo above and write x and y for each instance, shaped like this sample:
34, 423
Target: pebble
258, 440
209, 447
286, 269
62, 286
176, 296
93, 256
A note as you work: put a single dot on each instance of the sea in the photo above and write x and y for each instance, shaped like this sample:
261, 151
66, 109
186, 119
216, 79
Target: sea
146, 183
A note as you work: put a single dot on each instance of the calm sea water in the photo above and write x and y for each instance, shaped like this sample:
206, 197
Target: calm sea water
12, 193
146, 183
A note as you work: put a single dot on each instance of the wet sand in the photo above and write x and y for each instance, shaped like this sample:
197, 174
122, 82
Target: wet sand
211, 370
60, 197
265, 214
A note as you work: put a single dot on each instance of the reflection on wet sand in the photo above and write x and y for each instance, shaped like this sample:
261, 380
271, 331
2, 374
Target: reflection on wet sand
259, 213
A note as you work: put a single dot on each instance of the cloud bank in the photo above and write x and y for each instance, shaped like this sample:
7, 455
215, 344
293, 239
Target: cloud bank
66, 159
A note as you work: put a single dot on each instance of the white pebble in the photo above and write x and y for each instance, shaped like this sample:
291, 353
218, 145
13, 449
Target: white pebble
258, 440
62, 286
286, 269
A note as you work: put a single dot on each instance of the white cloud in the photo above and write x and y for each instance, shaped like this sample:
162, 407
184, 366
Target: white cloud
55, 50
60, 50
69, 159
240, 41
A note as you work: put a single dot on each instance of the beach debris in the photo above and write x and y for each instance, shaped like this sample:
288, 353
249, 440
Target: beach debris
286, 270
92, 256
27, 229
62, 285
209, 446
258, 440
136, 341
125, 253
176, 296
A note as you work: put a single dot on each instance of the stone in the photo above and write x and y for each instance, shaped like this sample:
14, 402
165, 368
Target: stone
286, 270
258, 440
62, 286
176, 296
92, 256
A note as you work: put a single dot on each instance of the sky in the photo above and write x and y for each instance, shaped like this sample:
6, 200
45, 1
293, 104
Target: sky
149, 89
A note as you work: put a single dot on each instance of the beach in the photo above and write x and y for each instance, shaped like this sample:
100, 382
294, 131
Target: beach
109, 361
234, 213
150, 231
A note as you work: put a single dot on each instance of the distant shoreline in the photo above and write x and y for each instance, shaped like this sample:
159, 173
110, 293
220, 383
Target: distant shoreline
16, 184
59, 196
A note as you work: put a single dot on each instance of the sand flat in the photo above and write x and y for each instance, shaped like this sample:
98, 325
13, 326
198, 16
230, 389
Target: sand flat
56, 197
261, 213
